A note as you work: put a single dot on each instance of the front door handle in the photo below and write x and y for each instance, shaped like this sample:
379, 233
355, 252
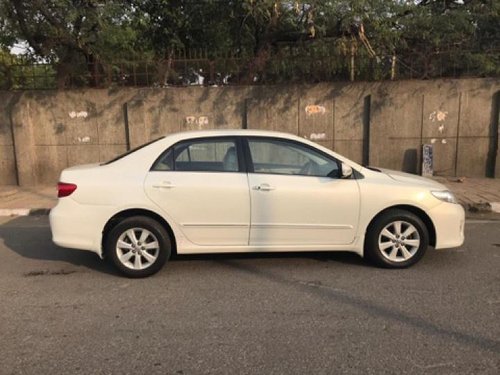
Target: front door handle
164, 185
264, 187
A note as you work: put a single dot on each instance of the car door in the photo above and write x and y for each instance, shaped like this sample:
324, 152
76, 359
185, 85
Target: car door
298, 197
203, 188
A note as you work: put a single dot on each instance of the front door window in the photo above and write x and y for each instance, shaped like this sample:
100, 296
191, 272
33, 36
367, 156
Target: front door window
289, 158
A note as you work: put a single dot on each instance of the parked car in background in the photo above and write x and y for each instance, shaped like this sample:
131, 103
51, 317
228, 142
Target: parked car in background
234, 191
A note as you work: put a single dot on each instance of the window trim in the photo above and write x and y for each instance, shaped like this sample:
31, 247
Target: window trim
237, 143
249, 159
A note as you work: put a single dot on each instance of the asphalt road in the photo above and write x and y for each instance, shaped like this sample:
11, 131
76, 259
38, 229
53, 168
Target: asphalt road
66, 312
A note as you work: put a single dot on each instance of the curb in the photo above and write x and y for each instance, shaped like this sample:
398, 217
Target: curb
24, 211
482, 207
495, 207
477, 207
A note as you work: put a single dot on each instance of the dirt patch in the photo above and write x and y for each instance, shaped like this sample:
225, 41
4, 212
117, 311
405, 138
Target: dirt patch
48, 273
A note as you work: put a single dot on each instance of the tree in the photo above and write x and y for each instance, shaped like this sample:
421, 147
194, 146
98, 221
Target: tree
268, 40
73, 34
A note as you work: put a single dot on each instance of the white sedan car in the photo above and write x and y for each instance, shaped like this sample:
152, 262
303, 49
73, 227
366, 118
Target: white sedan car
248, 191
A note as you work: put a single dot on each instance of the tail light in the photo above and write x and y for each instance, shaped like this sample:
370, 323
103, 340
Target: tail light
64, 189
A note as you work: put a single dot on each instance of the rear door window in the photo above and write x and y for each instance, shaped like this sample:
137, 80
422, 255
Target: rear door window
205, 155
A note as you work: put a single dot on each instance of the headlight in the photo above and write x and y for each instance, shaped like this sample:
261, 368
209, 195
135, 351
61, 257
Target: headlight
444, 195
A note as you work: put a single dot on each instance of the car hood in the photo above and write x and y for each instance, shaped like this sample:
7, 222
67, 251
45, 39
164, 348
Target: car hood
412, 179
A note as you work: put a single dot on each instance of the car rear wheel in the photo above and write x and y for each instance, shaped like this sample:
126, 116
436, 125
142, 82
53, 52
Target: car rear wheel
397, 239
138, 246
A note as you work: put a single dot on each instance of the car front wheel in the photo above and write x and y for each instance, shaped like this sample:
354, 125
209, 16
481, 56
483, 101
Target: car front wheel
396, 239
138, 246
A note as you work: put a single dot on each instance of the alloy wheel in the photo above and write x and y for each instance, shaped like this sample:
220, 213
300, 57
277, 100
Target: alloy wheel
399, 241
137, 248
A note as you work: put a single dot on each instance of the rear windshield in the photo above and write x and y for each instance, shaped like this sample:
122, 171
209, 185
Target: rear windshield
131, 151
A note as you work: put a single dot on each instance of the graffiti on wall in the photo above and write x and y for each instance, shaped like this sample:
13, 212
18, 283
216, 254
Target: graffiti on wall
314, 109
427, 160
317, 136
81, 114
439, 117
200, 121
85, 139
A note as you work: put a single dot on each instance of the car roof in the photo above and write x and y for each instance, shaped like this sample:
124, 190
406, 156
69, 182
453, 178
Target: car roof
230, 132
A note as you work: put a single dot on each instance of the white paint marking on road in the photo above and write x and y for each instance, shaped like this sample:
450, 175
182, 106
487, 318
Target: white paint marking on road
14, 211
433, 366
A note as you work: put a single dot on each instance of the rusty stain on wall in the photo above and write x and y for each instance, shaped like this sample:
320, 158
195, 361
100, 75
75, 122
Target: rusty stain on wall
314, 109
59, 128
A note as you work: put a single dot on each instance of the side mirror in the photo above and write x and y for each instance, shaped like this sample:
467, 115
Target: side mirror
346, 171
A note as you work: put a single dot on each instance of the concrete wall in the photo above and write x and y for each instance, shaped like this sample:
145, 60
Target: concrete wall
456, 116
7, 153
382, 123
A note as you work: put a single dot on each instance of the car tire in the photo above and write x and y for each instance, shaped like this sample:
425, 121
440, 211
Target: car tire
396, 239
138, 246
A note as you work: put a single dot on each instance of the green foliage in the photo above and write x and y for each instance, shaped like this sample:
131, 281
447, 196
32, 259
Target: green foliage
96, 42
15, 73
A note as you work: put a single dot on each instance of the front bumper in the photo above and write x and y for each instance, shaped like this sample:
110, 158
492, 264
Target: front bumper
449, 222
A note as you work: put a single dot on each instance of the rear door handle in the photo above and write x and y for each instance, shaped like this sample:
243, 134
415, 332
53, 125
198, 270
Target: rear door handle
164, 185
264, 187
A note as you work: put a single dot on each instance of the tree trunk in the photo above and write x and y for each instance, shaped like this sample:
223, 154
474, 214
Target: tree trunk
351, 67
393, 67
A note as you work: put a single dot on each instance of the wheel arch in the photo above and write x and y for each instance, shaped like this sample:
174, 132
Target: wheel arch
124, 214
421, 214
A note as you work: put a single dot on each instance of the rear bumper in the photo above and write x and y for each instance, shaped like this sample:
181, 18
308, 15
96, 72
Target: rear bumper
75, 226
449, 222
